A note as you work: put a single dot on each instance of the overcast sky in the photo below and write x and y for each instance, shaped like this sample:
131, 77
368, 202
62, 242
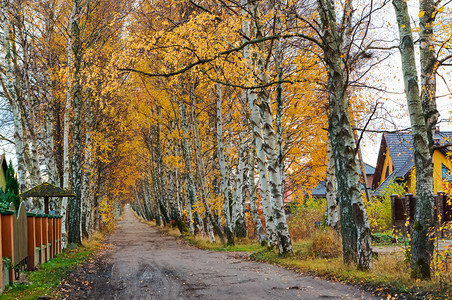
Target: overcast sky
390, 74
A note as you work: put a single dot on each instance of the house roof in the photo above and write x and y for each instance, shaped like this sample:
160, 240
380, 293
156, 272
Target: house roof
369, 169
46, 190
320, 190
401, 150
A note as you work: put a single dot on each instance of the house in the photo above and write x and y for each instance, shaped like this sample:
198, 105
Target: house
4, 167
396, 161
320, 190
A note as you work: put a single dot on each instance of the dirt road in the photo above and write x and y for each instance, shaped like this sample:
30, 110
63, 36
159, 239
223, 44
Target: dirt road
142, 263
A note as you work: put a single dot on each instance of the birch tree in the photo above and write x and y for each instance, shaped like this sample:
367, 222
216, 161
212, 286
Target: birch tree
421, 101
355, 229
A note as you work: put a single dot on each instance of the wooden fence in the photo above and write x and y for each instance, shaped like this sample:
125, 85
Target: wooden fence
27, 240
403, 207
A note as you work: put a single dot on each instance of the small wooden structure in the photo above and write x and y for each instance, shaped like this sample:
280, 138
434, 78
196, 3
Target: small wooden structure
402, 209
46, 190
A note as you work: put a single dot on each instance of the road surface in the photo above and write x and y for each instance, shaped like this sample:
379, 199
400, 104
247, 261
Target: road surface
142, 263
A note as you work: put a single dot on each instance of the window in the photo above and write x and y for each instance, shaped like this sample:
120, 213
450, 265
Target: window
445, 171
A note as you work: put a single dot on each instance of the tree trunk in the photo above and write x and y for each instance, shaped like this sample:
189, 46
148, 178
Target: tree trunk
67, 113
258, 228
355, 229
74, 209
223, 177
191, 192
421, 244
332, 217
262, 164
202, 179
238, 216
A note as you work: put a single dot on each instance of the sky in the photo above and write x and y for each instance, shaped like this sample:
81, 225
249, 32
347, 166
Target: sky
389, 73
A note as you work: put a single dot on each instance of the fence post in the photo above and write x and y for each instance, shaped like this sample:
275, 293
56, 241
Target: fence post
60, 233
393, 212
45, 237
50, 235
31, 261
8, 241
39, 242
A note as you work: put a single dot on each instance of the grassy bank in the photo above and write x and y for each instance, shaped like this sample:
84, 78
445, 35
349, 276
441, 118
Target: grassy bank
42, 282
318, 256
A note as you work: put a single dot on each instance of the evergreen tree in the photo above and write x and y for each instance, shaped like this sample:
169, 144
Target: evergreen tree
11, 192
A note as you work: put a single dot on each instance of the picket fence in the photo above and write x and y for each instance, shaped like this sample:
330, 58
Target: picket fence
27, 240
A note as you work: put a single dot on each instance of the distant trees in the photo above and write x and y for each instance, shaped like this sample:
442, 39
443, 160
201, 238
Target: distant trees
36, 69
249, 61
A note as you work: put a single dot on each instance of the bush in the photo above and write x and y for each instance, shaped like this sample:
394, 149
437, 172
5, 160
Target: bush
325, 243
303, 217
379, 209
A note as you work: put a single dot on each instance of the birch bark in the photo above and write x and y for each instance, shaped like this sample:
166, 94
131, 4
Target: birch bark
74, 209
332, 217
238, 216
258, 228
202, 179
422, 123
67, 116
355, 229
223, 177
262, 164
191, 192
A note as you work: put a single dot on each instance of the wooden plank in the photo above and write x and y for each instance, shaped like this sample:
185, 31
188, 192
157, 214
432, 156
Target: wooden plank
45, 238
20, 235
38, 235
31, 263
50, 242
60, 234
8, 242
1, 264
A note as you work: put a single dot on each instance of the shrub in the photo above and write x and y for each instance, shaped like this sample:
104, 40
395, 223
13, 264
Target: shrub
303, 217
325, 243
379, 208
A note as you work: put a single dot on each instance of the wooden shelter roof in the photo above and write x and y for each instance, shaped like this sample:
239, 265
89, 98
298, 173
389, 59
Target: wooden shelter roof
46, 190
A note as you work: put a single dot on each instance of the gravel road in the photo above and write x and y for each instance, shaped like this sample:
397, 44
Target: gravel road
142, 263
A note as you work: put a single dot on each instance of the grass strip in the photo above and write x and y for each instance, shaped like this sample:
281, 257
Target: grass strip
44, 281
390, 277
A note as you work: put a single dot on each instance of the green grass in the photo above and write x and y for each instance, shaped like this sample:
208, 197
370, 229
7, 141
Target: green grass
48, 277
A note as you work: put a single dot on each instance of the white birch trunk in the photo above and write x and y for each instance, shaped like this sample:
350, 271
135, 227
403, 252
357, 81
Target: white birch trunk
274, 171
422, 244
225, 188
67, 117
355, 229
262, 163
191, 192
238, 216
258, 228
332, 216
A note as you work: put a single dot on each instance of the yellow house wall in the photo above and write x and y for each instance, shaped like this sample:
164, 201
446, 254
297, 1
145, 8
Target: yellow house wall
387, 162
411, 183
438, 160
2, 179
